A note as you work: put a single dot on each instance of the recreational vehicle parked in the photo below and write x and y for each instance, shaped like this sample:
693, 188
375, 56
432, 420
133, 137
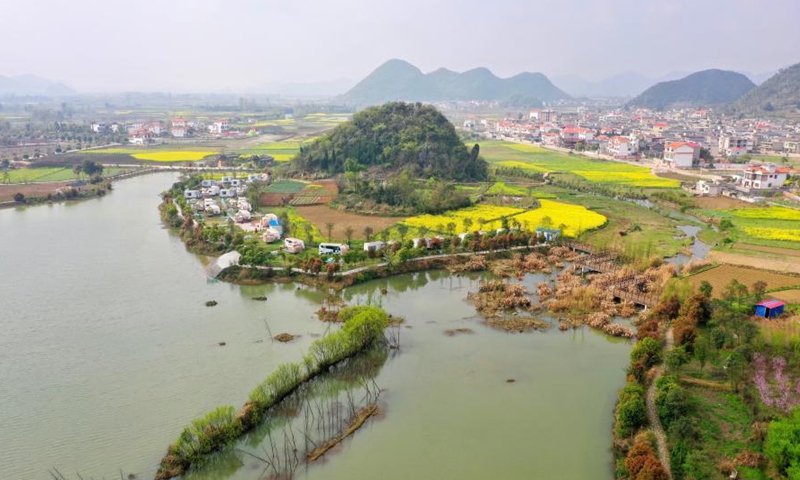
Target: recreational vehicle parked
332, 248
374, 246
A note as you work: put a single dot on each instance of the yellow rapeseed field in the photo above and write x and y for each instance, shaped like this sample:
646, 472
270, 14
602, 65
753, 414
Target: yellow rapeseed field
633, 179
772, 213
173, 156
484, 217
158, 155
575, 219
791, 235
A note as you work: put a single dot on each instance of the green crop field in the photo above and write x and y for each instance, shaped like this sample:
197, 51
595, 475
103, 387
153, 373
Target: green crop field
283, 151
285, 186
531, 157
48, 174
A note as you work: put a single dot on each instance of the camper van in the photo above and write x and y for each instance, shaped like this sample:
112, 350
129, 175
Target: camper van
242, 216
332, 248
374, 246
271, 235
294, 245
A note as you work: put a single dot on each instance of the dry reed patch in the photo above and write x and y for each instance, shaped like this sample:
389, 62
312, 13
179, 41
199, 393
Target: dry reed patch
458, 331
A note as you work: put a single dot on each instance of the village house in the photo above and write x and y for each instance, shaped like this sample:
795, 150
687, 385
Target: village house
621, 147
177, 132
219, 127
681, 154
735, 143
766, 176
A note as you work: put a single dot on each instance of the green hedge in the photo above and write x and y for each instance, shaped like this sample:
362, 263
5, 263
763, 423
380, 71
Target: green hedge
363, 326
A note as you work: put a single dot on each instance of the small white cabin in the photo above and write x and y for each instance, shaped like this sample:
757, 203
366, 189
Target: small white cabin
226, 179
294, 245
207, 183
235, 182
227, 193
192, 194
213, 190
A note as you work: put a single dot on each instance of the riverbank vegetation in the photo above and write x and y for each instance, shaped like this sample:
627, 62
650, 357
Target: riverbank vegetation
726, 398
362, 327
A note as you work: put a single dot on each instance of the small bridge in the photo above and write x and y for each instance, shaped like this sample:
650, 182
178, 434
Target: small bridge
222, 262
628, 288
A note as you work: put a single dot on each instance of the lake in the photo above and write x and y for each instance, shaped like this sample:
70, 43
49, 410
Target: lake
108, 350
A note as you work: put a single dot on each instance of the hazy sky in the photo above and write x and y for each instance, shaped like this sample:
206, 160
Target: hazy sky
215, 45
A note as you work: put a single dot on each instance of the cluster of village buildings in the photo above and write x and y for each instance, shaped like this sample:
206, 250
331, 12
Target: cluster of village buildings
677, 139
227, 195
676, 136
143, 133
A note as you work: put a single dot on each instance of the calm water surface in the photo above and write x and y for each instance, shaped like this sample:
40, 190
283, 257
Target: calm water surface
107, 351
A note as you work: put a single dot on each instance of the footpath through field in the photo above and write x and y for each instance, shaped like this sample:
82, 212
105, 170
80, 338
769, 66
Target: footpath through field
375, 266
652, 413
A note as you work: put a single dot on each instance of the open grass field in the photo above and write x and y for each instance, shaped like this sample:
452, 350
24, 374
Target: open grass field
283, 151
635, 230
285, 186
319, 215
49, 174
722, 275
531, 157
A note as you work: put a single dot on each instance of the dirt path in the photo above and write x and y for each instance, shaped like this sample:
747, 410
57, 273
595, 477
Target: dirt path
652, 413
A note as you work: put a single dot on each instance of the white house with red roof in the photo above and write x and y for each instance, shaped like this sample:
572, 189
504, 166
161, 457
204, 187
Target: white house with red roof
621, 147
219, 127
681, 154
766, 176
178, 132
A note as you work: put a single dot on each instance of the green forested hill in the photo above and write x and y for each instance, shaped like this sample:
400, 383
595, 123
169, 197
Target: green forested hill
393, 137
779, 94
701, 88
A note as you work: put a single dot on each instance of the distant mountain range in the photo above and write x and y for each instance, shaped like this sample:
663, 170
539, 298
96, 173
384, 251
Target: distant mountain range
700, 88
399, 80
32, 85
624, 85
780, 94
311, 89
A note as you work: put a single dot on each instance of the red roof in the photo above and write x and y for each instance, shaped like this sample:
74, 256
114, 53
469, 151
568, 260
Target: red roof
771, 303
675, 145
